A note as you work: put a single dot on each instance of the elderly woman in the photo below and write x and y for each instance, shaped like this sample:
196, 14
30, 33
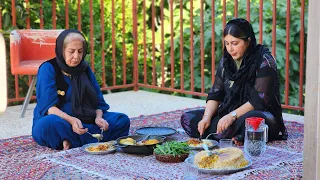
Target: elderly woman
69, 100
246, 85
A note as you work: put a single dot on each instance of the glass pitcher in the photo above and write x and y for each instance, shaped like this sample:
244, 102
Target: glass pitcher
256, 136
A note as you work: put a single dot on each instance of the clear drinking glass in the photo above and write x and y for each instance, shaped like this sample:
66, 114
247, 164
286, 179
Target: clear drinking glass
224, 143
256, 136
189, 172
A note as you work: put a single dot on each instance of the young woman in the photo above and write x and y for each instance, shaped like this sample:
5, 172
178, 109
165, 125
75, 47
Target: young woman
69, 100
246, 85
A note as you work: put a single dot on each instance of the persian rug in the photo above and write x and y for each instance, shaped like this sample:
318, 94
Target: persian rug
22, 158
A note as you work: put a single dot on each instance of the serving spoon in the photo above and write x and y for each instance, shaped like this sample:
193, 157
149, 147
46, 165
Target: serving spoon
206, 148
211, 134
98, 136
143, 139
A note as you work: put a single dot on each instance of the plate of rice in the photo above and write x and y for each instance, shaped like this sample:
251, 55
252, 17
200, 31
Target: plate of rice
99, 148
223, 161
196, 144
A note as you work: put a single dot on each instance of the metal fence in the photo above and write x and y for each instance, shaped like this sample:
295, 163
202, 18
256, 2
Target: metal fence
172, 45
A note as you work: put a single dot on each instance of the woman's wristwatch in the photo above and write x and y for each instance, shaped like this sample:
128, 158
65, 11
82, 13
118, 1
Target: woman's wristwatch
234, 114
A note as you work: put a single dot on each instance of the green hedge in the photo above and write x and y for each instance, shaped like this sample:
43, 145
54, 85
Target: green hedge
127, 38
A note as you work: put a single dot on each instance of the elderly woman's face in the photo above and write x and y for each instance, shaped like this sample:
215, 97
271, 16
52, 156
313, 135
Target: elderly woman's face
236, 47
73, 53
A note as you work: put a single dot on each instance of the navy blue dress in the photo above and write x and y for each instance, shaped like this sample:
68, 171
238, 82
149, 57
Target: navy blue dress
51, 130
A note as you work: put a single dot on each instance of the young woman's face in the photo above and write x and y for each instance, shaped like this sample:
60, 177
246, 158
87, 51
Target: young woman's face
236, 47
73, 53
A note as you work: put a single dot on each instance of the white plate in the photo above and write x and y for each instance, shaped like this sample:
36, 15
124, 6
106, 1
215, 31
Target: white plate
190, 161
213, 142
109, 150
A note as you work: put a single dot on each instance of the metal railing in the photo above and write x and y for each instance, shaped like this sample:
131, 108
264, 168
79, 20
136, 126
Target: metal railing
171, 45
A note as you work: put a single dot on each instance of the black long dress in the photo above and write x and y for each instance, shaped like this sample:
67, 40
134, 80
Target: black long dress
257, 82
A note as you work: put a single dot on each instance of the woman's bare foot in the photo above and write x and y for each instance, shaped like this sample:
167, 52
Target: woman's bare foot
236, 142
66, 145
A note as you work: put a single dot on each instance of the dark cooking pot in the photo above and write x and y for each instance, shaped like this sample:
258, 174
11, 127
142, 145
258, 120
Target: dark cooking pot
139, 149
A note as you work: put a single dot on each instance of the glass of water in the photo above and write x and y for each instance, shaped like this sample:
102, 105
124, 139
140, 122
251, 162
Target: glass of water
189, 172
225, 143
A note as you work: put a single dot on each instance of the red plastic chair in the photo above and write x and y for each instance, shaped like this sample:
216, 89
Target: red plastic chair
3, 75
28, 50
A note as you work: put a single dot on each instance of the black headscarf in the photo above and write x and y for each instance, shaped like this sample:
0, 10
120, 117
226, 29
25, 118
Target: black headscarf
243, 77
84, 99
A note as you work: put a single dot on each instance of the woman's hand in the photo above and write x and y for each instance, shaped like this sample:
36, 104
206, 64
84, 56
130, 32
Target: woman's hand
77, 126
203, 125
224, 123
103, 124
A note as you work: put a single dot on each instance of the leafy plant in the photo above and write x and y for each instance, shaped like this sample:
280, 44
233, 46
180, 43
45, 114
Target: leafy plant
172, 148
280, 54
115, 55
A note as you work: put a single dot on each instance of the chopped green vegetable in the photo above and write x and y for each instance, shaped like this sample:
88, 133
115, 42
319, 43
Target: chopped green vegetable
172, 148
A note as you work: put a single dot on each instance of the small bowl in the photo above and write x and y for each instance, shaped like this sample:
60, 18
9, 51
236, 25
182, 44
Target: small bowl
171, 158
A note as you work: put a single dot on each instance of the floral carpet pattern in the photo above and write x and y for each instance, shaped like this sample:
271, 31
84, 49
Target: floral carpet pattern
22, 158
